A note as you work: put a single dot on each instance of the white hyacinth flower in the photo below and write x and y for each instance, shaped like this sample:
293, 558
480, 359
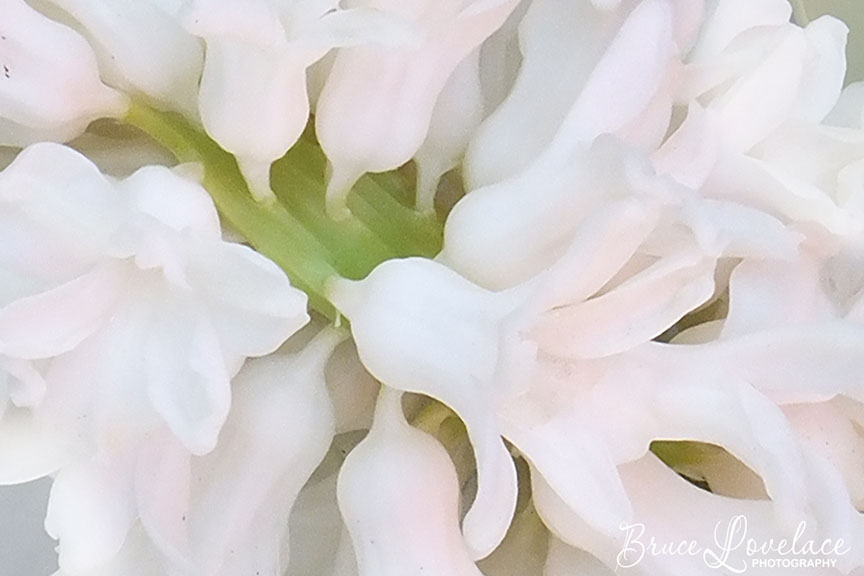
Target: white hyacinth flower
640, 314
253, 98
387, 96
123, 292
223, 513
582, 76
49, 83
399, 495
141, 47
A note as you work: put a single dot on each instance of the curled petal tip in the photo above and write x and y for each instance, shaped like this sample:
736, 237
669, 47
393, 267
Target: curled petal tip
114, 104
256, 172
345, 295
339, 186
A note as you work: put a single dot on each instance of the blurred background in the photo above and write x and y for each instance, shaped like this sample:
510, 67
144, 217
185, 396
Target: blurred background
25, 548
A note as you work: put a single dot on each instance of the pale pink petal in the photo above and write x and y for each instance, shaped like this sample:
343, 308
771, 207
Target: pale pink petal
251, 302
91, 510
278, 432
141, 48
419, 327
638, 310
51, 88
399, 495
56, 321
388, 94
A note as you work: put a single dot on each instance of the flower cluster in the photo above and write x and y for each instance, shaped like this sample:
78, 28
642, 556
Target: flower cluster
450, 287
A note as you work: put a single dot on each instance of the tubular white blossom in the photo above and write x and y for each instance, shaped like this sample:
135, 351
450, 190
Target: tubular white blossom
646, 309
166, 511
141, 326
458, 111
140, 45
585, 72
49, 83
253, 97
399, 495
387, 95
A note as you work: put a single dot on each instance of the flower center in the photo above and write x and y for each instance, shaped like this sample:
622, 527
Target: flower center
295, 231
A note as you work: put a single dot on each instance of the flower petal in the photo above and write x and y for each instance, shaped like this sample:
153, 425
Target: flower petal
399, 495
419, 327
29, 449
573, 56
54, 322
91, 510
500, 236
458, 111
278, 432
388, 94
140, 48
51, 88
252, 303
631, 313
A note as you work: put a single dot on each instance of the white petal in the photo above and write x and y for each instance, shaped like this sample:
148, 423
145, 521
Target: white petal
848, 112
730, 18
352, 389
458, 111
91, 509
578, 467
829, 431
690, 153
173, 200
138, 557
602, 247
399, 495
735, 231
252, 303
279, 430
252, 98
388, 95
501, 59
799, 363
61, 190
689, 16
622, 409
162, 484
745, 111
258, 130
638, 310
50, 87
755, 304
419, 327
54, 322
24, 384
140, 48
187, 375
573, 57
826, 68
633, 68
500, 236
335, 28
767, 187
29, 449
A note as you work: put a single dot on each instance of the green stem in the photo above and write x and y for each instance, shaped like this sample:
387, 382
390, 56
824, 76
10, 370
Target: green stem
269, 228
